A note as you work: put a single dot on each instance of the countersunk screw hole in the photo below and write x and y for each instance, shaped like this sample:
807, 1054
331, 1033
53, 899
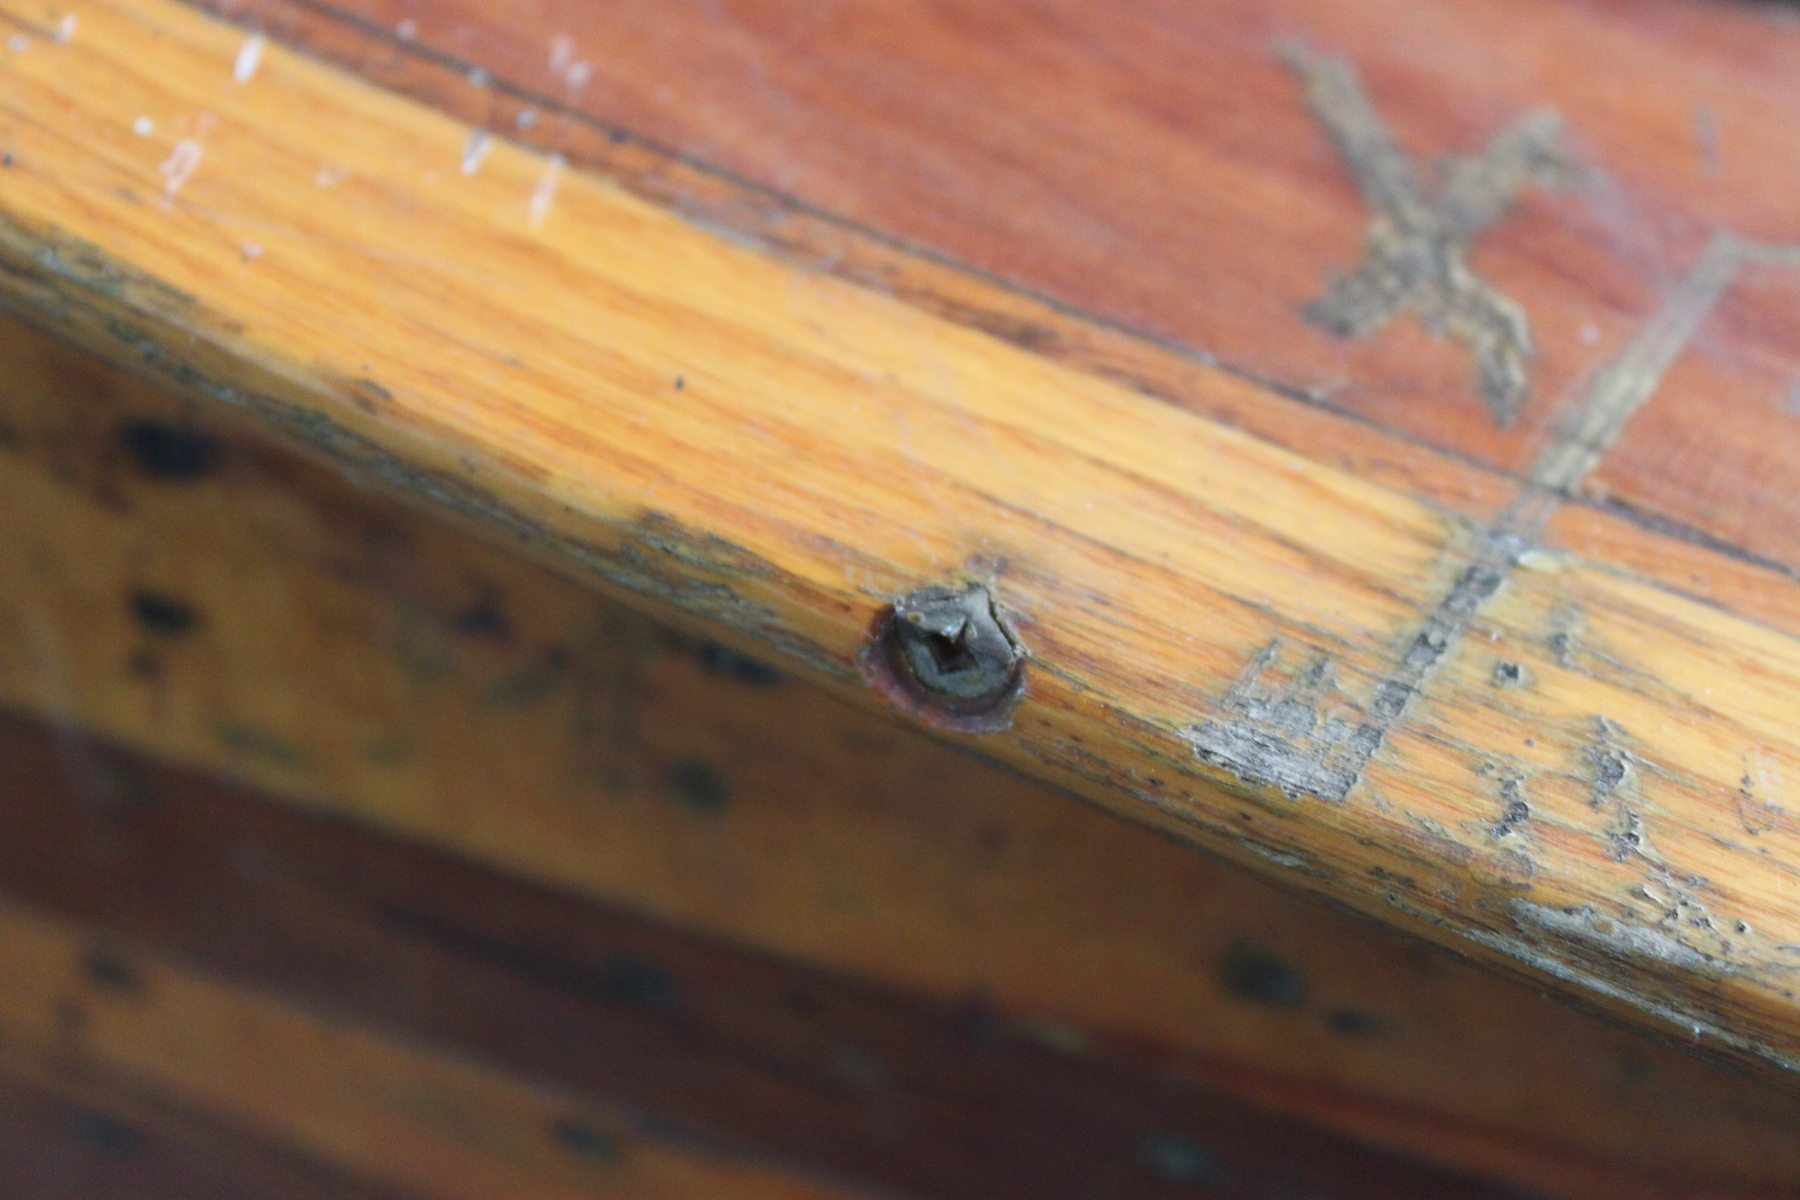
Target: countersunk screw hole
945, 654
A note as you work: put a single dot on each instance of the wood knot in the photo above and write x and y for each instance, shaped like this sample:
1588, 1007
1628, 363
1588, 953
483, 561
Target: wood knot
946, 655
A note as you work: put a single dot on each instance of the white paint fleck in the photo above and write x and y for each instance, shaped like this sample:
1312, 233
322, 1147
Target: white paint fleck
1617, 936
475, 149
1590, 334
577, 75
544, 194
18, 43
1546, 562
330, 175
65, 29
249, 57
479, 77
143, 127
251, 251
562, 52
526, 118
179, 166
407, 30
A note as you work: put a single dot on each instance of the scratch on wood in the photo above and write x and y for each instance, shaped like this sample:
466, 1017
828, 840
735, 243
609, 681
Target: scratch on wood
1757, 808
249, 57
1415, 253
475, 149
1617, 938
1291, 732
544, 194
180, 165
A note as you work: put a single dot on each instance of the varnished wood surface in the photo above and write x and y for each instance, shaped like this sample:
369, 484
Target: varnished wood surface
1152, 165
398, 674
774, 453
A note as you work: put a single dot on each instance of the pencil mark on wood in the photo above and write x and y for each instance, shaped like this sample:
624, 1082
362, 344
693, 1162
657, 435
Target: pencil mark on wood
1415, 253
1266, 741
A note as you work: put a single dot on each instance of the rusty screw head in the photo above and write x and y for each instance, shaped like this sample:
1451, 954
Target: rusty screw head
944, 654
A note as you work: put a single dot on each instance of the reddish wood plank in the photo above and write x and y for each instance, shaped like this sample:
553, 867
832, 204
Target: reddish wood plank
844, 1077
1153, 164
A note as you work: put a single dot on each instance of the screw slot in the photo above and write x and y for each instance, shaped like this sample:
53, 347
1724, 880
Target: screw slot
946, 655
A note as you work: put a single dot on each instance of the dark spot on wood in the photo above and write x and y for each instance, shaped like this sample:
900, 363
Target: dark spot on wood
104, 1135
163, 615
729, 664
946, 655
145, 666
1173, 1158
638, 983
1355, 1023
698, 786
1516, 812
6, 160
483, 618
680, 383
170, 452
584, 1141
1262, 978
106, 969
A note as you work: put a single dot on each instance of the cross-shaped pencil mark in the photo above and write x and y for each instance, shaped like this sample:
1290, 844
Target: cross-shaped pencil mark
1415, 254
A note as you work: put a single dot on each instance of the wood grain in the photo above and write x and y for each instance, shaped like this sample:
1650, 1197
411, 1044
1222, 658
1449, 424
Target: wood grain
136, 1033
708, 1045
1153, 165
63, 1139
399, 674
773, 454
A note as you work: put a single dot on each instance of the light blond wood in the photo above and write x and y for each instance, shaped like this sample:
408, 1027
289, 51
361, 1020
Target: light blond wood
775, 454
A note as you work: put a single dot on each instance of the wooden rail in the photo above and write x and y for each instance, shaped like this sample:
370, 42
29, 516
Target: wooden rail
1428, 709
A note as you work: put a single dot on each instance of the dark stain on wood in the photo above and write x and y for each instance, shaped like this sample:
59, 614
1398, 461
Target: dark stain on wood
169, 452
1262, 978
699, 786
162, 614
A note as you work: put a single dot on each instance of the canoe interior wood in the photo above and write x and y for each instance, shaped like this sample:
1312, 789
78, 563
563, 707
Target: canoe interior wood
62, 1136
1414, 707
706, 1045
187, 589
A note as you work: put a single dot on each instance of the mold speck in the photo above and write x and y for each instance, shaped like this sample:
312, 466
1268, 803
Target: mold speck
699, 786
1262, 978
163, 615
168, 452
